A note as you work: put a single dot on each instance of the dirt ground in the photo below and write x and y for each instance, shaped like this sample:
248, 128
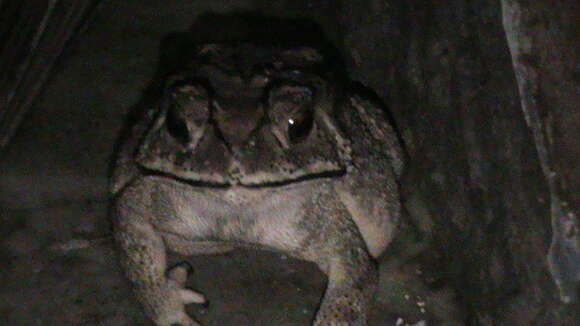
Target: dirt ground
53, 188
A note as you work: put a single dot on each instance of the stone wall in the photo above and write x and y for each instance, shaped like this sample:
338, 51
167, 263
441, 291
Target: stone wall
477, 188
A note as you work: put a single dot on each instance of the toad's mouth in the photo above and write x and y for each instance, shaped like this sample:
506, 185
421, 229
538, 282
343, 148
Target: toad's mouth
264, 181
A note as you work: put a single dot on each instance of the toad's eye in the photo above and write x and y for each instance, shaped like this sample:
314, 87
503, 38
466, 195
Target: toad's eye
299, 124
188, 112
176, 126
292, 111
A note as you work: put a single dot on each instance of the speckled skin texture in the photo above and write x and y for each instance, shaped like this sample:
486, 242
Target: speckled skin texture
258, 147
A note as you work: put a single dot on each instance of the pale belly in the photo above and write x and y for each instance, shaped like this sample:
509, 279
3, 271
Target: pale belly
206, 219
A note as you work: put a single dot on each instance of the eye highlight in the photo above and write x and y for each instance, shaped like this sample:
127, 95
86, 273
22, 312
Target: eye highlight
291, 111
299, 125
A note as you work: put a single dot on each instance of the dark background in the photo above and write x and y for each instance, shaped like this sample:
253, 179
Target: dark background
484, 94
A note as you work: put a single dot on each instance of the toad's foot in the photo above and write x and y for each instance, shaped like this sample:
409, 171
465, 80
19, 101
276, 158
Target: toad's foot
178, 274
174, 296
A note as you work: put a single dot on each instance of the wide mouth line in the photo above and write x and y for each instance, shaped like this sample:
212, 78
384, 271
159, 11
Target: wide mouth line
237, 182
301, 179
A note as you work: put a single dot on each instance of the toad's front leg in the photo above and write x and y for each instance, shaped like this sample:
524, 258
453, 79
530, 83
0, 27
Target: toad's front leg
349, 293
143, 258
352, 279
